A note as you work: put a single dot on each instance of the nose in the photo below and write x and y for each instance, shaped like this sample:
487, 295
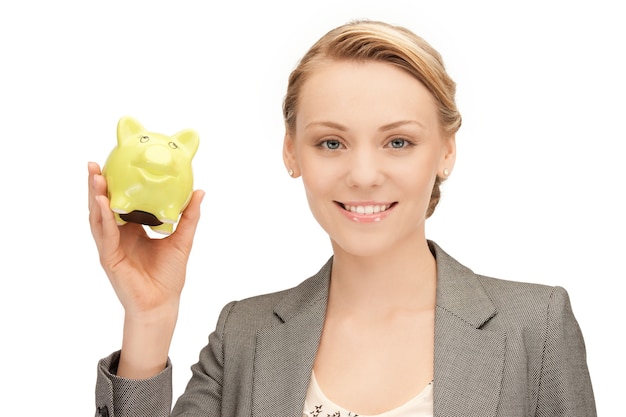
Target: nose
158, 155
365, 169
156, 159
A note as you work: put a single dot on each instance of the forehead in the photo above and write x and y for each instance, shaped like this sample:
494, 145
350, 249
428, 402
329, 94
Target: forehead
377, 91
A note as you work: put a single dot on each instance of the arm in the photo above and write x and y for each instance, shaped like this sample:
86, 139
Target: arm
153, 396
148, 277
122, 397
565, 386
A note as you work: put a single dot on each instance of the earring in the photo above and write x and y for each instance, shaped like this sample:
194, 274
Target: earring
446, 172
290, 172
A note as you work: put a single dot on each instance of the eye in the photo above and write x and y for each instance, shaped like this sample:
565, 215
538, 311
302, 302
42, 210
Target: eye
144, 139
173, 145
398, 143
330, 144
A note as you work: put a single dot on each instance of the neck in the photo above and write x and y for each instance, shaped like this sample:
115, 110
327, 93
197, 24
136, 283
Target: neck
400, 279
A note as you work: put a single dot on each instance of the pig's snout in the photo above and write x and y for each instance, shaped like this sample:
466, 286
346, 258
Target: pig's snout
157, 160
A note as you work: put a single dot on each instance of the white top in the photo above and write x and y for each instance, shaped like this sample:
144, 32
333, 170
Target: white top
317, 405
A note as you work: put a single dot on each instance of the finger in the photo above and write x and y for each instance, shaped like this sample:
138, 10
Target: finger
108, 234
93, 169
95, 221
98, 187
95, 212
96, 218
188, 223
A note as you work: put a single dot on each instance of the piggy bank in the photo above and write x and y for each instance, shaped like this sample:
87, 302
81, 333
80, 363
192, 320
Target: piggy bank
149, 175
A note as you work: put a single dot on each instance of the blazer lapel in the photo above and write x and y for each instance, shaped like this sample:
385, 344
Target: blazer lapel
285, 353
469, 361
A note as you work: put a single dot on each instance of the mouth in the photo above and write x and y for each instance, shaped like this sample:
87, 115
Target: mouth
366, 209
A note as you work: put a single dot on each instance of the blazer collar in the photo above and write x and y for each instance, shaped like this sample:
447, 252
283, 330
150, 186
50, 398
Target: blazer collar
459, 292
285, 353
468, 361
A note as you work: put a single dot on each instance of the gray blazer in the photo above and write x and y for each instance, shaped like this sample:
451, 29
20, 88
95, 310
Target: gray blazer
502, 348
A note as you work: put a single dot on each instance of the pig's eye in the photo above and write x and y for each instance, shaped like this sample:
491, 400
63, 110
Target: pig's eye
144, 139
173, 145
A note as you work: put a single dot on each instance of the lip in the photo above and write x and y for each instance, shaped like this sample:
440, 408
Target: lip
365, 217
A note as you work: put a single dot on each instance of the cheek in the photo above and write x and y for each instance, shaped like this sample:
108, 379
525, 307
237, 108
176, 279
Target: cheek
421, 190
315, 184
319, 175
418, 180
319, 196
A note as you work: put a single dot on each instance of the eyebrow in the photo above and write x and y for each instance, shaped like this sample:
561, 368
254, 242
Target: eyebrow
401, 123
383, 128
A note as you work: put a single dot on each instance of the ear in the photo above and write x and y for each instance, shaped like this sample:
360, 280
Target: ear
448, 157
289, 155
127, 126
189, 139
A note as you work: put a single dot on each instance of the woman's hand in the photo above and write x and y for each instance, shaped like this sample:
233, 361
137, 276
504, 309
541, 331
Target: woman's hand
147, 275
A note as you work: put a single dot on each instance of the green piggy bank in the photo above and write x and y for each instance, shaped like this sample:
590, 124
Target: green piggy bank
149, 175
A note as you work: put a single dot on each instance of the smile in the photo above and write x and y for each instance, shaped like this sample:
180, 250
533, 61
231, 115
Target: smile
366, 213
369, 209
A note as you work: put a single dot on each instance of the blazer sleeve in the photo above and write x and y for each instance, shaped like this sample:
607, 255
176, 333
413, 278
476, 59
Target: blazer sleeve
565, 385
121, 397
203, 394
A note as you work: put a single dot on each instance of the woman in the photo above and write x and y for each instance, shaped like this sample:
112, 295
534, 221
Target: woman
391, 325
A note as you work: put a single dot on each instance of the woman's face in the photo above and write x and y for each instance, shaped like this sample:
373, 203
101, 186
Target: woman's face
368, 145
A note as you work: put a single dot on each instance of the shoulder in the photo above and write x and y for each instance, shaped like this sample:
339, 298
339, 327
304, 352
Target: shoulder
504, 292
526, 305
544, 336
497, 302
460, 286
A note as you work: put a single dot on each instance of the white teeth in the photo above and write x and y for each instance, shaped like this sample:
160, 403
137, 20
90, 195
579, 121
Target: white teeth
367, 209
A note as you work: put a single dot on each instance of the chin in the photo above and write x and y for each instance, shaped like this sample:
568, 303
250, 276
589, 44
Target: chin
360, 247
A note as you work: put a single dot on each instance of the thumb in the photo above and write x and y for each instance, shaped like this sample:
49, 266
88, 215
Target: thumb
188, 223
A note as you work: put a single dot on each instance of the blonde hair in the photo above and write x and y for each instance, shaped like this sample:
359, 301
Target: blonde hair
366, 40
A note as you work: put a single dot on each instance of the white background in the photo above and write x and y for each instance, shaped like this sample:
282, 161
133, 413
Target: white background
537, 193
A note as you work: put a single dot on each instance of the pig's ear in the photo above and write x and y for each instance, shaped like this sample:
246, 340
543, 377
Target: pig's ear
128, 127
189, 139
